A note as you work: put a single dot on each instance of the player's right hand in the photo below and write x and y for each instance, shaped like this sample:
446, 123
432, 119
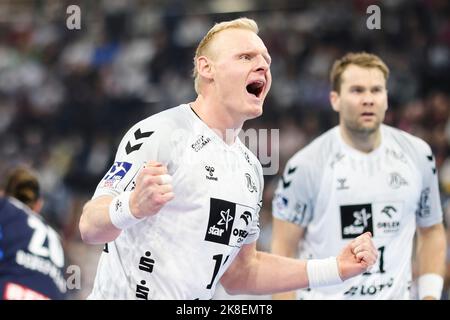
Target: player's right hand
153, 190
357, 256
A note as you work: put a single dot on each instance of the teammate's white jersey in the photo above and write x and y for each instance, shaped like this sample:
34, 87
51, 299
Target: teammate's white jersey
181, 252
338, 193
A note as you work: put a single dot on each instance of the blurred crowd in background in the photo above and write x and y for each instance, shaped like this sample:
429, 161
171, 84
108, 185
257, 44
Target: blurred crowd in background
68, 96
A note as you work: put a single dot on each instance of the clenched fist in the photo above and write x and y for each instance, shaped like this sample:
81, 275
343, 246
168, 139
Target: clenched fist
153, 190
357, 257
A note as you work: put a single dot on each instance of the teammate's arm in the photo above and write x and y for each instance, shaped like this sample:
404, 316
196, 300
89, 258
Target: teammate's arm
431, 254
256, 272
431, 240
286, 237
150, 194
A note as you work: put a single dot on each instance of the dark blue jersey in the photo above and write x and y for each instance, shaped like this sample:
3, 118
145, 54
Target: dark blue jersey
31, 255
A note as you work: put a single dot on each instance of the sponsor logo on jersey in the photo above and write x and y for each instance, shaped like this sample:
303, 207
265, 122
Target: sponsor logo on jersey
200, 143
355, 220
300, 212
388, 219
369, 289
250, 184
223, 227
389, 210
210, 175
247, 217
396, 180
116, 174
423, 210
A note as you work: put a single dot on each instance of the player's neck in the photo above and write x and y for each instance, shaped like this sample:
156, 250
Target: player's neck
361, 141
214, 117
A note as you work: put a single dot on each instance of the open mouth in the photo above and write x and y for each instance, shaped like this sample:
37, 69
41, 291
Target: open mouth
256, 88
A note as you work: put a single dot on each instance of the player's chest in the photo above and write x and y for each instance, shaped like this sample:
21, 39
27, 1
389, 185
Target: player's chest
219, 173
374, 178
379, 196
224, 188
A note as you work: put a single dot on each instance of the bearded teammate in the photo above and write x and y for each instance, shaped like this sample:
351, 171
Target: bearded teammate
178, 210
363, 176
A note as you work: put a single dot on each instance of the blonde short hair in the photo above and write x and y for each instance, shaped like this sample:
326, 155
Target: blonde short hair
360, 59
241, 23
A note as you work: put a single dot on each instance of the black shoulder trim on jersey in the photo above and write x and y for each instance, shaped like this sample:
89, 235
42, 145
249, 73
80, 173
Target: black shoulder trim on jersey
138, 135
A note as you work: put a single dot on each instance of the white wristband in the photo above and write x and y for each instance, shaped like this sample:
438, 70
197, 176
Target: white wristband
119, 211
323, 272
430, 285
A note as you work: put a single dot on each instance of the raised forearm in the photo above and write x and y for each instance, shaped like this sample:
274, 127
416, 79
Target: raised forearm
95, 223
268, 274
286, 249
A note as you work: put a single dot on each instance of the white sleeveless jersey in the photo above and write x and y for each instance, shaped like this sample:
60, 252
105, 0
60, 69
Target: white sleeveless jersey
338, 193
181, 252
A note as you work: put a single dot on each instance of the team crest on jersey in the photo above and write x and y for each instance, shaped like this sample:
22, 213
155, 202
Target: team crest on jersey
224, 227
355, 220
396, 180
116, 174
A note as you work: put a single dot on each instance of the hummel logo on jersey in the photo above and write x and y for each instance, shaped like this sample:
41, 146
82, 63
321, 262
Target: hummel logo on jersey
355, 220
342, 185
292, 170
210, 175
247, 158
396, 180
138, 135
431, 159
116, 174
250, 184
284, 179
